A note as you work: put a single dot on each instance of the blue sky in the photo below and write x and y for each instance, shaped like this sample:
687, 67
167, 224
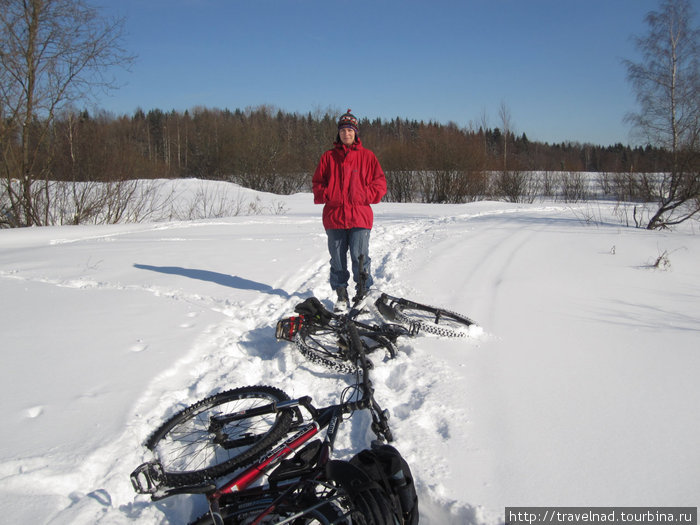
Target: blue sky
555, 64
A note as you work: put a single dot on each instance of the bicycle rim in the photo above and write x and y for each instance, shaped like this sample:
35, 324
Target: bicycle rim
191, 449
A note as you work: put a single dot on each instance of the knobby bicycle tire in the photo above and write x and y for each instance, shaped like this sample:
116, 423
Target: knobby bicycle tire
191, 450
430, 319
324, 345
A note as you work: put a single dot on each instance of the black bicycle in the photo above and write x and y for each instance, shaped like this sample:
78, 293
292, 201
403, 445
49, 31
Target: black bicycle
261, 430
321, 335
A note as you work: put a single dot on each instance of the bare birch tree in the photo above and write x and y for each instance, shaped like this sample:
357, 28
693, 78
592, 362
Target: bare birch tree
53, 53
667, 85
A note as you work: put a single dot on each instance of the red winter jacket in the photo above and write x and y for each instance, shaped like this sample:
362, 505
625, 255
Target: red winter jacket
347, 180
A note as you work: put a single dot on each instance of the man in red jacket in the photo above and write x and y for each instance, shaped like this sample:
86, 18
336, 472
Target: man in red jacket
347, 180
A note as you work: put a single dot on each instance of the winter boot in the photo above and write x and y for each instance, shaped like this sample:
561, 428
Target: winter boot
359, 295
343, 302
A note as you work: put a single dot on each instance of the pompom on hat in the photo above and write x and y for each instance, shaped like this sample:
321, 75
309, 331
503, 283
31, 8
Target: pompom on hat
348, 120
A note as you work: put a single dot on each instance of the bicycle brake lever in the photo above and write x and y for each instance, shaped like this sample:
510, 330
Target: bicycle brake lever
381, 427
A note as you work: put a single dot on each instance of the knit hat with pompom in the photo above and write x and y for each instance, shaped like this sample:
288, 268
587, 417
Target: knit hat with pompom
348, 120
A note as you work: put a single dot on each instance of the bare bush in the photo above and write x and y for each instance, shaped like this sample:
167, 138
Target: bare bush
604, 180
207, 202
548, 184
574, 187
401, 186
514, 186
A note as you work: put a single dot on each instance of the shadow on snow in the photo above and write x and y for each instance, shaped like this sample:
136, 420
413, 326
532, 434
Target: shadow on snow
232, 281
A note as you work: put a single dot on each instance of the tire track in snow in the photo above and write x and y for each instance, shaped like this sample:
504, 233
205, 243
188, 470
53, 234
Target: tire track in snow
393, 242
430, 410
483, 275
496, 249
418, 386
488, 271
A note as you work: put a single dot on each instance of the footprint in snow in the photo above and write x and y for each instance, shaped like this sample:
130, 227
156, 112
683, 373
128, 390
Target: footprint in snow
34, 412
189, 324
138, 346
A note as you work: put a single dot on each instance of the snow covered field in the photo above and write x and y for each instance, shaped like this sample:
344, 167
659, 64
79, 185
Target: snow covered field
583, 389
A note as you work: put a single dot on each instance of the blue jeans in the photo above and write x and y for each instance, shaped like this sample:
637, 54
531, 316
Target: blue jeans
339, 241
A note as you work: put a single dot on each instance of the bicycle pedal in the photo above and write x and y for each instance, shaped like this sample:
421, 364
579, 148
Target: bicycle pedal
147, 478
287, 328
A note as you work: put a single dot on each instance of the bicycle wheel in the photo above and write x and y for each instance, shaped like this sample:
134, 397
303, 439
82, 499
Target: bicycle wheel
326, 347
200, 442
425, 318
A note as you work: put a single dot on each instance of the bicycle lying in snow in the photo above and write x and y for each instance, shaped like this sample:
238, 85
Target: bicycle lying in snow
321, 336
261, 430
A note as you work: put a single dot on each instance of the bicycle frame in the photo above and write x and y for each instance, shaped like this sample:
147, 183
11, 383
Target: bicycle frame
329, 418
148, 477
